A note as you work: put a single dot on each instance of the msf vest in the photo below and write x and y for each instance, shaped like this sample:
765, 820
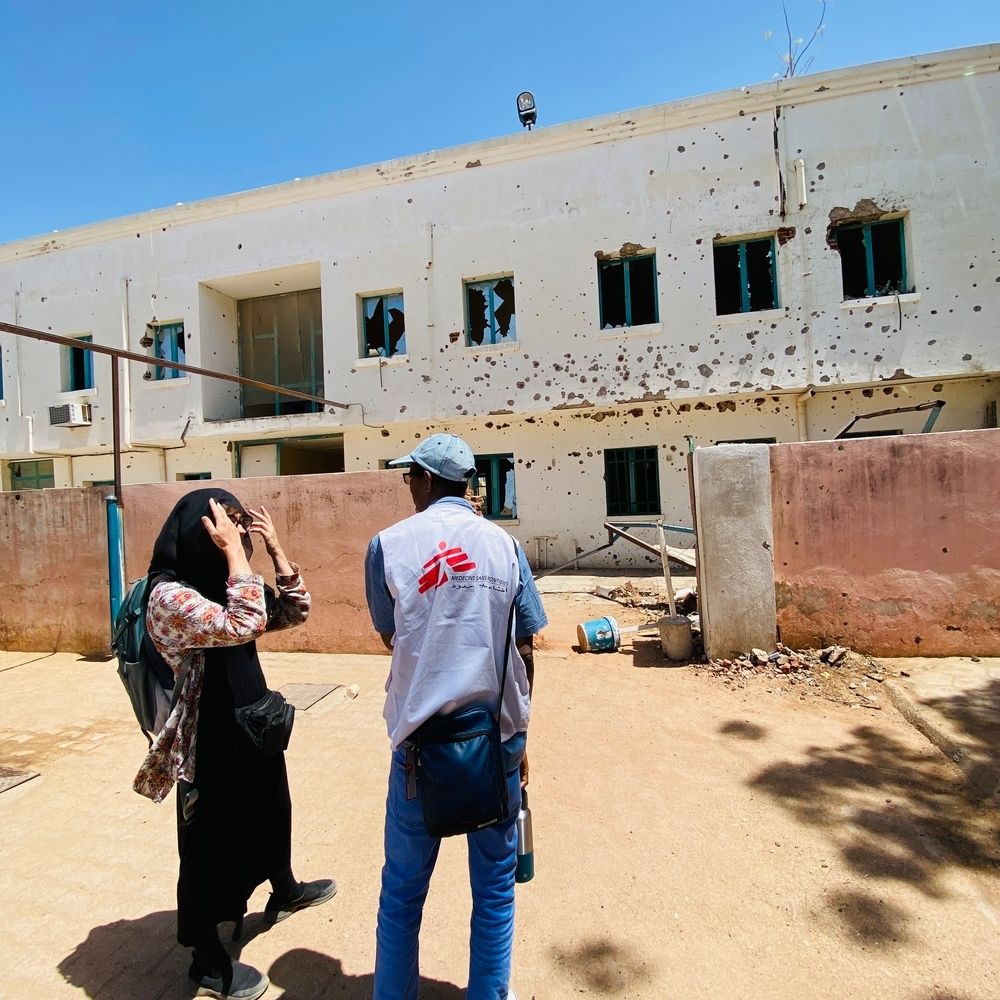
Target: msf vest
453, 576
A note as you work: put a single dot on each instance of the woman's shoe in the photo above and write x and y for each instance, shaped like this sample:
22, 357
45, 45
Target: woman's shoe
245, 983
309, 894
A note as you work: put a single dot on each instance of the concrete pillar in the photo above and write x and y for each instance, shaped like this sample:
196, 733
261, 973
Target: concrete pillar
732, 486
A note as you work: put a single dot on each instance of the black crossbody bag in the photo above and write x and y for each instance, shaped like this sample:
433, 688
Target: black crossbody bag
268, 722
455, 765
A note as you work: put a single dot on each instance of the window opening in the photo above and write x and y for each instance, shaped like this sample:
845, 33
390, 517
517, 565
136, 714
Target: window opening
494, 482
746, 278
632, 480
79, 372
168, 344
489, 310
281, 342
35, 475
384, 322
872, 258
627, 290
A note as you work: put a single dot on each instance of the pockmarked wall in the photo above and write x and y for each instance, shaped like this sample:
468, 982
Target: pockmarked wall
889, 545
54, 568
54, 561
324, 523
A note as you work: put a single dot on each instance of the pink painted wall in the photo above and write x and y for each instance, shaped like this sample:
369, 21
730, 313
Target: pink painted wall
53, 555
889, 545
324, 523
54, 568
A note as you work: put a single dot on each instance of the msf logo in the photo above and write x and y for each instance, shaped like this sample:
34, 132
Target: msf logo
435, 575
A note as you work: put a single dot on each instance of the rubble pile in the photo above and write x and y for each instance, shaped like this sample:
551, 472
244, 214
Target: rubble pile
798, 665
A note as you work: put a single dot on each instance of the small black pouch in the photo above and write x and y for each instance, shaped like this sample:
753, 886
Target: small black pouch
268, 722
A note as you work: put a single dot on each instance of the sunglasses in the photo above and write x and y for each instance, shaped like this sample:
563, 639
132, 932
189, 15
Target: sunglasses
410, 473
239, 517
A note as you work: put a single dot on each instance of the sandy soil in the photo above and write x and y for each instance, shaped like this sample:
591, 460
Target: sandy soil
692, 841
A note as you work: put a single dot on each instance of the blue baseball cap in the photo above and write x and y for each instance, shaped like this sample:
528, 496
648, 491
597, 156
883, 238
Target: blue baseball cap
446, 455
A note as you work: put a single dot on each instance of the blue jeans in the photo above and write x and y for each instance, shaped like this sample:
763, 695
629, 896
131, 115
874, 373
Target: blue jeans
410, 855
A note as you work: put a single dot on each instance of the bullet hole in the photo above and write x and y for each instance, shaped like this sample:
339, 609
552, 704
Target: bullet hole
680, 149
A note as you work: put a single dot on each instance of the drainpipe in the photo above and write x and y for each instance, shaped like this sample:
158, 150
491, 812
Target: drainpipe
800, 413
126, 382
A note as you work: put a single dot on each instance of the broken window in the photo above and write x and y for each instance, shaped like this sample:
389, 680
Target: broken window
281, 342
78, 366
494, 482
746, 276
489, 312
384, 326
627, 290
872, 258
38, 475
632, 480
168, 344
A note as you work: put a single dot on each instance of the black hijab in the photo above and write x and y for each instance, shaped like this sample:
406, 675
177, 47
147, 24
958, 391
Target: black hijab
184, 549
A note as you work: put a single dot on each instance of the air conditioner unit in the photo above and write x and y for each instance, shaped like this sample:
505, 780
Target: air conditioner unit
70, 415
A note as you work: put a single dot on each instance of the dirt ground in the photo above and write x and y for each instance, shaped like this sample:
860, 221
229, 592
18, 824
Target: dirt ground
692, 840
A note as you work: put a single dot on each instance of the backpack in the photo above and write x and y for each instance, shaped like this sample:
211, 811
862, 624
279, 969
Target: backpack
148, 679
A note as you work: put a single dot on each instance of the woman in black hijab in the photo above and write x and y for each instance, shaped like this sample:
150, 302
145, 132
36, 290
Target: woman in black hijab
206, 609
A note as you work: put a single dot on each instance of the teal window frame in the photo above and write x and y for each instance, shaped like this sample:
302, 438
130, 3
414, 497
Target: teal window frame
36, 480
80, 366
167, 339
493, 334
636, 464
626, 264
741, 245
496, 490
386, 350
866, 228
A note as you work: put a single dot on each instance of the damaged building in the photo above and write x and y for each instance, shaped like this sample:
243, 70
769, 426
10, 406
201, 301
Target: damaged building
582, 303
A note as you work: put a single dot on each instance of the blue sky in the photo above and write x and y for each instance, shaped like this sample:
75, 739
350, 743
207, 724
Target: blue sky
117, 106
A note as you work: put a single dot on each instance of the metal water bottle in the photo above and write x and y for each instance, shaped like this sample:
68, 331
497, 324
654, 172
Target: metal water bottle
525, 870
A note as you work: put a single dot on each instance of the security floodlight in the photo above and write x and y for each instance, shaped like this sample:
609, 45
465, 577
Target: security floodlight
526, 109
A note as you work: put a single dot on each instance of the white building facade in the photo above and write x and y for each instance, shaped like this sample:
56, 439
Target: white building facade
581, 303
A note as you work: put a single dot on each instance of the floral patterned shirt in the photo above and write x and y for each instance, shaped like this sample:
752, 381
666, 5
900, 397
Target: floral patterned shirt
182, 624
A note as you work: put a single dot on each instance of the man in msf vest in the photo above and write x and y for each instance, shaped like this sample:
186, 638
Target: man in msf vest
439, 588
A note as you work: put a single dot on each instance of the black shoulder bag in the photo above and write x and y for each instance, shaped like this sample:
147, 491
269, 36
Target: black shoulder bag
457, 761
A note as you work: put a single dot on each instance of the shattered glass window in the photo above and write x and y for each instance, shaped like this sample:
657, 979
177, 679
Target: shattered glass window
168, 344
384, 326
746, 276
489, 311
494, 483
872, 259
627, 290
632, 481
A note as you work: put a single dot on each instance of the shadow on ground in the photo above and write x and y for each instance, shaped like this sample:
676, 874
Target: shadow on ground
975, 716
609, 967
892, 813
131, 959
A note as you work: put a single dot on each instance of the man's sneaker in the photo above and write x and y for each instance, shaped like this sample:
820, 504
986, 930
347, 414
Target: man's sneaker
246, 983
309, 894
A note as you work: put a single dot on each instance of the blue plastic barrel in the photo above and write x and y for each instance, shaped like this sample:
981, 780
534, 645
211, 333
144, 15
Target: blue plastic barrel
598, 636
